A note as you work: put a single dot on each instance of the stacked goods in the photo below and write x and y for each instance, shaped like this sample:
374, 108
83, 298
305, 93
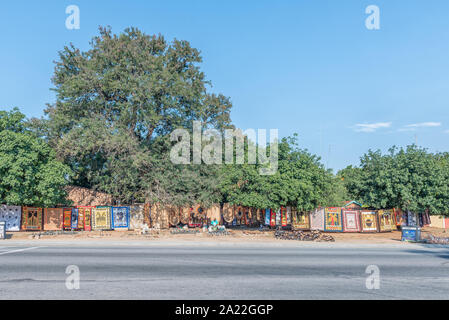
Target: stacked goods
368, 221
333, 221
219, 232
301, 220
351, 220
11, 216
53, 218
385, 220
136, 220
31, 219
436, 240
317, 219
183, 231
67, 218
101, 218
85, 214
314, 235
120, 218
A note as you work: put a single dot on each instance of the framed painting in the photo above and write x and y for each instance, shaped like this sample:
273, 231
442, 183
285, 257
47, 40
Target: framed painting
351, 221
368, 221
333, 221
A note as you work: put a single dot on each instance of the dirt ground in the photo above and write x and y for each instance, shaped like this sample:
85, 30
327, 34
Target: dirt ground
234, 235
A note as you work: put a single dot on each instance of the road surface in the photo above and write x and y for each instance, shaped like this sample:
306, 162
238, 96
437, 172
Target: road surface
214, 270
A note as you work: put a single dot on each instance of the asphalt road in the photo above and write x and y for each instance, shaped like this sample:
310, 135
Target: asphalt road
284, 270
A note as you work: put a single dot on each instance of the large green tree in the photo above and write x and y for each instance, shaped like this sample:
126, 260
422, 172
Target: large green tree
116, 105
409, 178
29, 172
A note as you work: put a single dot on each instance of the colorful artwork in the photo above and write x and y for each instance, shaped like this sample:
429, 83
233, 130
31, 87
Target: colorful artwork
12, 216
368, 221
332, 220
301, 220
31, 219
278, 218
120, 217
74, 223
85, 214
101, 218
398, 217
317, 219
53, 219
67, 218
272, 218
386, 222
351, 220
283, 212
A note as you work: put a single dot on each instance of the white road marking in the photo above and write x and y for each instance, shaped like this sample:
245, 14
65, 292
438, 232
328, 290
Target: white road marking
18, 250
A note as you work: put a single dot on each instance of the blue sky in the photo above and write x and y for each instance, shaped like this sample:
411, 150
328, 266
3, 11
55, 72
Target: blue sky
310, 67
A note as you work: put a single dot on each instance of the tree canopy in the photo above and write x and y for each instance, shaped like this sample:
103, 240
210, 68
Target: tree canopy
409, 178
116, 105
30, 175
